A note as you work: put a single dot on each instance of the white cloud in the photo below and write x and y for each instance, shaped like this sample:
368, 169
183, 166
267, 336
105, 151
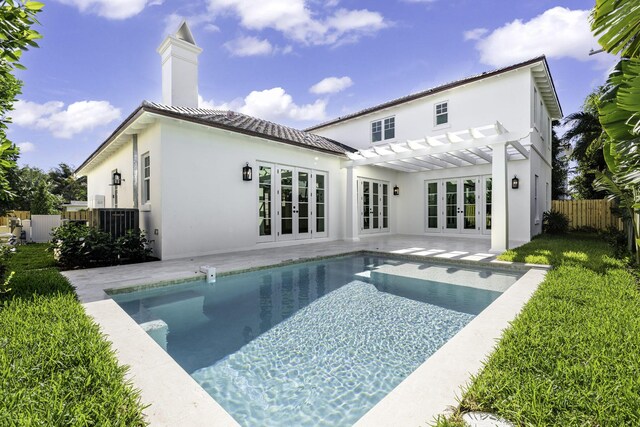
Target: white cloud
331, 85
558, 33
249, 46
112, 9
296, 21
475, 34
273, 104
78, 117
26, 147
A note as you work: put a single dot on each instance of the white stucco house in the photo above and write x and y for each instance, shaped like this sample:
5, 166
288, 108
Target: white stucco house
442, 161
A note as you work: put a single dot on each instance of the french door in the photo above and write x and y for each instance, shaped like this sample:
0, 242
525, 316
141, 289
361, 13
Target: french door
458, 205
373, 205
293, 191
291, 203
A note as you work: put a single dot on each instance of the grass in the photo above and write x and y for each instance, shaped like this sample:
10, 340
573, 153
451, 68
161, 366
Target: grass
31, 257
56, 368
572, 356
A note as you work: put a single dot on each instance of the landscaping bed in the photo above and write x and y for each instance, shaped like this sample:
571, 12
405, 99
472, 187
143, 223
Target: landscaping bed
572, 356
56, 368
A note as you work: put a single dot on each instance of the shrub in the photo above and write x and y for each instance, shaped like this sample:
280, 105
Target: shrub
132, 247
618, 241
554, 222
80, 246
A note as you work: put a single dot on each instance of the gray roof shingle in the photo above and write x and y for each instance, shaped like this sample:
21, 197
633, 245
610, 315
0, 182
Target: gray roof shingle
238, 122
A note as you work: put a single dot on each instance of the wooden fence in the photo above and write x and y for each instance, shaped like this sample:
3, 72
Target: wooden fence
588, 213
4, 220
73, 216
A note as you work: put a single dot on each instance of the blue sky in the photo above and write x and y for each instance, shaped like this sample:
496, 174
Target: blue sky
295, 62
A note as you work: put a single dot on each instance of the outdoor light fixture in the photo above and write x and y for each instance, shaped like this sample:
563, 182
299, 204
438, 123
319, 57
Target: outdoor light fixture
116, 179
515, 182
247, 173
396, 190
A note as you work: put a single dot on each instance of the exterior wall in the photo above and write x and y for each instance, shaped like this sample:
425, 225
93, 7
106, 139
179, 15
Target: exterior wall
208, 208
507, 98
99, 180
473, 105
539, 167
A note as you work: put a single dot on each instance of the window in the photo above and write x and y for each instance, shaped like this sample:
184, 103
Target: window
146, 178
376, 131
442, 113
389, 129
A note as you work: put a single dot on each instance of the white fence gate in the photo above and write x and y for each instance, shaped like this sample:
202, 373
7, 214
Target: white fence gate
42, 226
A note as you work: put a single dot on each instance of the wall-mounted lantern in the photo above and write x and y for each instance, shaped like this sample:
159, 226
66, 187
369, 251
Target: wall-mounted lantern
116, 178
247, 173
396, 190
515, 182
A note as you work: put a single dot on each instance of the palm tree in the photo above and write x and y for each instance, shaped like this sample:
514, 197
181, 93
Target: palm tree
586, 138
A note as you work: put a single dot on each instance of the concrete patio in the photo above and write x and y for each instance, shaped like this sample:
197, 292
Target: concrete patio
91, 283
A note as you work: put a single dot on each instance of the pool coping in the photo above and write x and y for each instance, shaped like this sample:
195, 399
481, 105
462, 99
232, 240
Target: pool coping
426, 393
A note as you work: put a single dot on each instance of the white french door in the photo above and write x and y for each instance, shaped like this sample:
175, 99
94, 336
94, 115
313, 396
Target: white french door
373, 203
292, 191
291, 203
458, 205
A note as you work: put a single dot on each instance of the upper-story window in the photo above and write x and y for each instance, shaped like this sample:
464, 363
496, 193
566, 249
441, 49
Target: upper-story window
389, 126
442, 113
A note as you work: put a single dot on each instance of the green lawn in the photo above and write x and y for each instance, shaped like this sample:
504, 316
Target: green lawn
56, 369
572, 357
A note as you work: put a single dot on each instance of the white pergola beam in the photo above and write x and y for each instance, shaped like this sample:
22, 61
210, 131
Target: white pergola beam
520, 148
432, 151
482, 154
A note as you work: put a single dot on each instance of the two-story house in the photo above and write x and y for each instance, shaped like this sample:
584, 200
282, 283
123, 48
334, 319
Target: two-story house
468, 158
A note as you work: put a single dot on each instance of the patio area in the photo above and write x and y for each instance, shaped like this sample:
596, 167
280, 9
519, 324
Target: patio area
91, 283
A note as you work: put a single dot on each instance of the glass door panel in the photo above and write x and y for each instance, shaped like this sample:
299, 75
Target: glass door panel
432, 206
301, 210
286, 202
265, 215
385, 206
366, 206
375, 212
487, 204
321, 221
469, 204
451, 208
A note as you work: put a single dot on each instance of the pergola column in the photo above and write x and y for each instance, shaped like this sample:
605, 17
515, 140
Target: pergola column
499, 199
352, 205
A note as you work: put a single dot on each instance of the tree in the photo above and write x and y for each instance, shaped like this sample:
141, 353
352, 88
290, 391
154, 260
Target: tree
43, 202
16, 36
65, 184
560, 165
617, 23
585, 138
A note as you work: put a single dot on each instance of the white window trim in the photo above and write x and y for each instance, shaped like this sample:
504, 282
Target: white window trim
383, 140
435, 116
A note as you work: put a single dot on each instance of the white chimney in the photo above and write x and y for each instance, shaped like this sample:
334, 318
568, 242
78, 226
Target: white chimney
180, 68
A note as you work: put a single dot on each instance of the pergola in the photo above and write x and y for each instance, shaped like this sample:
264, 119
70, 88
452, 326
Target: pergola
491, 144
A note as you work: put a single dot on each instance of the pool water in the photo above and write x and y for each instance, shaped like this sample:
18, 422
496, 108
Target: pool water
318, 343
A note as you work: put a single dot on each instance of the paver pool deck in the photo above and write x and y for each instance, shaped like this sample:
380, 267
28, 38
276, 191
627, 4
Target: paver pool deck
176, 399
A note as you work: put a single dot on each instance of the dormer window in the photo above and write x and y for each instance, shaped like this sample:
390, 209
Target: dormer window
442, 113
387, 125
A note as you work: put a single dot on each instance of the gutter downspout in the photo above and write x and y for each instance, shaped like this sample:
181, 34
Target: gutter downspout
135, 170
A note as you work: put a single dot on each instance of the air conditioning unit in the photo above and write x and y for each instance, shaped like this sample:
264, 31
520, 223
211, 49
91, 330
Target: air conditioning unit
115, 221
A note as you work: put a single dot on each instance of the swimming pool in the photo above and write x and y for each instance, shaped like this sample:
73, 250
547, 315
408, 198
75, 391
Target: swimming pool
315, 343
